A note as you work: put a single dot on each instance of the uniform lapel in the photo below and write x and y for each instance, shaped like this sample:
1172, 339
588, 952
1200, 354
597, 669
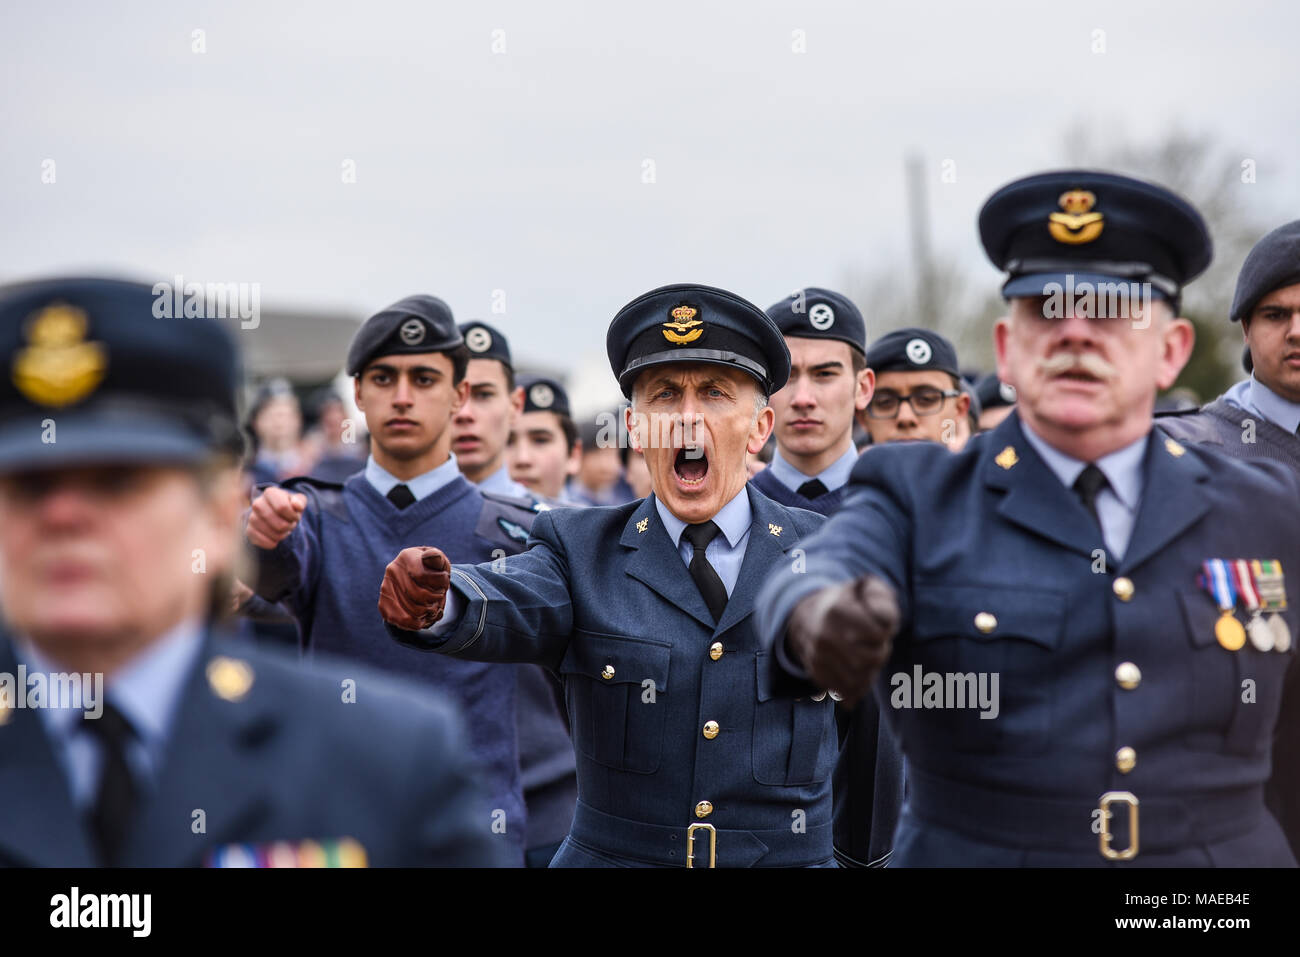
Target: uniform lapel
1173, 498
51, 832
771, 534
1035, 499
211, 765
656, 563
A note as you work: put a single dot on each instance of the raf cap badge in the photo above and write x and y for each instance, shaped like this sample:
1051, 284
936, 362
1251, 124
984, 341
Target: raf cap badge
478, 339
683, 327
919, 351
821, 316
412, 332
541, 395
59, 366
1078, 223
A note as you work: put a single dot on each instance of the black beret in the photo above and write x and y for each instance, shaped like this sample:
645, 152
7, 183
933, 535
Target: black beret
545, 395
993, 393
692, 323
412, 325
1077, 226
1273, 263
485, 342
912, 350
115, 383
814, 313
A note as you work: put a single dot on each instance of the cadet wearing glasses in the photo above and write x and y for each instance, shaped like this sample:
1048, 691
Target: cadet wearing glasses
918, 397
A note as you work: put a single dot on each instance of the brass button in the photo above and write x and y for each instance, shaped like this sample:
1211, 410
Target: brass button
1123, 588
711, 729
715, 650
1125, 759
703, 809
607, 672
1128, 675
985, 622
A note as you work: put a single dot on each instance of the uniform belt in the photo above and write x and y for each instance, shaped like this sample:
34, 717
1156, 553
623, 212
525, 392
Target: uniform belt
660, 844
1021, 821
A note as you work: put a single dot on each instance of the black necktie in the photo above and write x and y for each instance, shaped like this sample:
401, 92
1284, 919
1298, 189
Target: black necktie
1087, 486
813, 488
400, 496
115, 801
706, 578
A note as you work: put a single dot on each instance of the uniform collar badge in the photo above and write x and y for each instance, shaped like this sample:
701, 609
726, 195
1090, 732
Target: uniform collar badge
1078, 223
229, 678
1007, 457
1173, 448
642, 525
774, 529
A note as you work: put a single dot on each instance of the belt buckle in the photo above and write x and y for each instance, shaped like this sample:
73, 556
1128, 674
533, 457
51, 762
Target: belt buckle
1130, 852
690, 843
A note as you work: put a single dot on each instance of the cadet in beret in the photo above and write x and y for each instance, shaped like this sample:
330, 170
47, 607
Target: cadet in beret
829, 382
645, 610
320, 548
1120, 587
543, 451
482, 424
918, 395
996, 400
1259, 417
180, 746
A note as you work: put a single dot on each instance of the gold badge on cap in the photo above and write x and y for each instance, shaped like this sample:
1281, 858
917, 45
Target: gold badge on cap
59, 367
230, 678
1078, 223
683, 327
1007, 457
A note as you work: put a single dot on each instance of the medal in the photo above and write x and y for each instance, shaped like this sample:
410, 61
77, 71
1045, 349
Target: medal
1271, 587
1218, 579
1261, 635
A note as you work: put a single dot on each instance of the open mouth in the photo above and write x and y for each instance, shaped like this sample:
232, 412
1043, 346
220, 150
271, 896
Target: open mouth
691, 466
1078, 375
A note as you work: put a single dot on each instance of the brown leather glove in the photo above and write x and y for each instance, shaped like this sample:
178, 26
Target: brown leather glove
414, 589
843, 635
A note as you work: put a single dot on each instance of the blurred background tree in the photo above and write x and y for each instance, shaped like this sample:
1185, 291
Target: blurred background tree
950, 301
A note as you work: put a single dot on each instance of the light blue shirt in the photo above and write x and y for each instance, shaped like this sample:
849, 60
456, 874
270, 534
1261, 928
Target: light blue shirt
1251, 395
421, 486
833, 476
1117, 503
500, 483
147, 690
727, 551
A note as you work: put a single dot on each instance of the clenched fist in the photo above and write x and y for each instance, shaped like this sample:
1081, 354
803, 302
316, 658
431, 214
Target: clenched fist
415, 586
274, 515
843, 635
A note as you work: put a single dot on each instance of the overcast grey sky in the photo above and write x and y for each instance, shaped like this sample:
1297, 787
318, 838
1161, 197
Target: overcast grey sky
522, 171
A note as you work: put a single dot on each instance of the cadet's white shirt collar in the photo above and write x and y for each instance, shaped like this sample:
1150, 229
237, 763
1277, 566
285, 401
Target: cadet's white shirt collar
833, 476
1270, 405
1122, 468
733, 519
501, 483
421, 486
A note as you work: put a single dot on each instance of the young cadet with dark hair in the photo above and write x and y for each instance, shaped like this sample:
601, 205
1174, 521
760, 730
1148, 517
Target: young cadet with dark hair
830, 382
645, 610
482, 423
320, 548
120, 502
919, 395
543, 450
